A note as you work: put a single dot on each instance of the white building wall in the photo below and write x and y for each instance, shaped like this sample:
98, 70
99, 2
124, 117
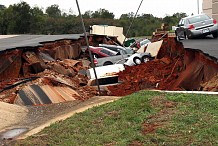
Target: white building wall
210, 7
215, 9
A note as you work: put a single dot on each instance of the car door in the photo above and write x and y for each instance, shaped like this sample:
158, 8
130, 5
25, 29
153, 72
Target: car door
181, 29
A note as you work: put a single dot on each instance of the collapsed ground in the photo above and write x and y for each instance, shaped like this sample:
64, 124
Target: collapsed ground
54, 72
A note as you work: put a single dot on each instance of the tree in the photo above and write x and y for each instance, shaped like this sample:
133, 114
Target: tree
2, 7
88, 14
174, 19
102, 13
18, 18
53, 11
2, 22
37, 20
127, 16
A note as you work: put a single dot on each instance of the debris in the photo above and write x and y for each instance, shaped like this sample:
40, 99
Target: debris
153, 48
10, 64
211, 85
175, 68
62, 50
48, 74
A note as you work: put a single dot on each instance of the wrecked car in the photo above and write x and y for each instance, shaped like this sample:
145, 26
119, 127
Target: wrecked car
127, 59
140, 44
105, 74
99, 52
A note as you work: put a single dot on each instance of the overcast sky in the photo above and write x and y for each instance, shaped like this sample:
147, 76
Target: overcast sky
159, 8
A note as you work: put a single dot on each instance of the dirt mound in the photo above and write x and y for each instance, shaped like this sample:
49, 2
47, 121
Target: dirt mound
175, 68
11, 114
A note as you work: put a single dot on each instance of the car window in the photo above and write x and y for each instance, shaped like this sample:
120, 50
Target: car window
107, 52
182, 22
144, 42
129, 51
123, 52
110, 47
198, 18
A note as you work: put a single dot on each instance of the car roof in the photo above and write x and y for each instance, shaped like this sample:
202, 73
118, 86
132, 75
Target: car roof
106, 45
188, 17
103, 49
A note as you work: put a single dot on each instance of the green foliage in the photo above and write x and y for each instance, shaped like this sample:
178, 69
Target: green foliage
53, 11
20, 18
102, 13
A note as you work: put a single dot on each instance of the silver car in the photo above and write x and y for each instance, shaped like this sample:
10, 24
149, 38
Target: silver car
199, 25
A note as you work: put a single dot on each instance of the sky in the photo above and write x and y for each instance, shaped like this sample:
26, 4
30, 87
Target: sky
158, 8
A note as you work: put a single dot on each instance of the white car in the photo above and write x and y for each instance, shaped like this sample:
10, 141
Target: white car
137, 59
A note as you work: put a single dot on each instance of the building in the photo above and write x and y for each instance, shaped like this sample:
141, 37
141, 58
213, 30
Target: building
210, 7
111, 31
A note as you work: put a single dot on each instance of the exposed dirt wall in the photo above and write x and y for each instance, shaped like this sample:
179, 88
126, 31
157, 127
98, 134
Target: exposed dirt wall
175, 68
10, 65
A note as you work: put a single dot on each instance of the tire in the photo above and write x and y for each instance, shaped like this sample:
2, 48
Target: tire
107, 63
137, 60
185, 36
177, 37
215, 35
145, 58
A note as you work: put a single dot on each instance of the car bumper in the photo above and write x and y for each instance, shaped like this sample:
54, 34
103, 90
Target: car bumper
202, 32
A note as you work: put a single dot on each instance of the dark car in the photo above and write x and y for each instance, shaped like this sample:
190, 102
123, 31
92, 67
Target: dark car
100, 52
199, 25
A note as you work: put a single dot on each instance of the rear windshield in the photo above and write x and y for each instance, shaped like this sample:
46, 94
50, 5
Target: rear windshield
198, 19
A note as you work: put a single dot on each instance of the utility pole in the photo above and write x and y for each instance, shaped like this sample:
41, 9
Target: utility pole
87, 43
198, 6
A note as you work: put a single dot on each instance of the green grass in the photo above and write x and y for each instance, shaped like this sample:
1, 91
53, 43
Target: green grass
143, 118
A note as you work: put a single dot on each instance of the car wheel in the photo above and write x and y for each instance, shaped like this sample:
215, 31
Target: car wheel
145, 58
185, 36
177, 37
215, 35
137, 60
107, 63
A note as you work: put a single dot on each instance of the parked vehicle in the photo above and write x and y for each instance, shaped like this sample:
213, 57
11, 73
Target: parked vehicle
99, 52
117, 48
196, 26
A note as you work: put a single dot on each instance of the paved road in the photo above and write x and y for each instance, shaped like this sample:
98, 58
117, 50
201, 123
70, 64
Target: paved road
207, 45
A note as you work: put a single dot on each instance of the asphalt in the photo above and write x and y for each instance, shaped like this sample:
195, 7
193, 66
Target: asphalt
24, 41
39, 117
208, 45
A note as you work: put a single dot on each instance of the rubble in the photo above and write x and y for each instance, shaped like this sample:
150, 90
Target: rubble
44, 75
65, 49
55, 72
175, 68
10, 64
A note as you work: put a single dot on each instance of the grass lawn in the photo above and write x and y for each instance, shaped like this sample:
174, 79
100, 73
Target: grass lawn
143, 118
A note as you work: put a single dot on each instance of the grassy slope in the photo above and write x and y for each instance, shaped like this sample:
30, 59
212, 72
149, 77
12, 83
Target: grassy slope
143, 118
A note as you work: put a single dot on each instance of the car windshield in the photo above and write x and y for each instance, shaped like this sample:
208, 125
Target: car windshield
144, 42
198, 18
129, 51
